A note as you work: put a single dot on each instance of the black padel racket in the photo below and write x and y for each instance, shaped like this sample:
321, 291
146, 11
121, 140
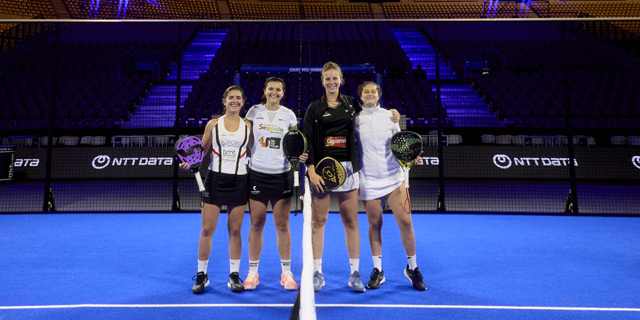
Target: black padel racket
406, 146
190, 150
332, 172
294, 144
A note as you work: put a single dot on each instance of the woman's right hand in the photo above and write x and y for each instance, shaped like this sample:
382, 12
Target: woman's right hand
316, 181
185, 166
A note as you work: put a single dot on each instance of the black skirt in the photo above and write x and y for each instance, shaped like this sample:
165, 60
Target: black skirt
225, 189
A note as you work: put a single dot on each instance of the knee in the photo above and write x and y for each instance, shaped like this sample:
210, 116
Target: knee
375, 225
234, 233
207, 232
319, 222
257, 224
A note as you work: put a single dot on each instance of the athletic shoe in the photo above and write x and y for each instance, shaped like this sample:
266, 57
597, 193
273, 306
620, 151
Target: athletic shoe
376, 279
318, 281
251, 281
286, 280
355, 283
415, 277
235, 283
202, 280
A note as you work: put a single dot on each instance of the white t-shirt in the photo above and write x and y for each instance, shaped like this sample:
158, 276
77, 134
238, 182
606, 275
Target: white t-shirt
229, 148
269, 127
380, 173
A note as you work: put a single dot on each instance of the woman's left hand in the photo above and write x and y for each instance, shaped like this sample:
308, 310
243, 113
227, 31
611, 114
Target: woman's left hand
395, 115
303, 157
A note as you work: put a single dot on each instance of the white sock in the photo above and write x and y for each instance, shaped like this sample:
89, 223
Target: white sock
377, 262
286, 265
355, 264
317, 265
412, 262
202, 265
253, 265
234, 265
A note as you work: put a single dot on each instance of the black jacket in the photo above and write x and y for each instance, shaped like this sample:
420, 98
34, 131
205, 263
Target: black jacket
311, 128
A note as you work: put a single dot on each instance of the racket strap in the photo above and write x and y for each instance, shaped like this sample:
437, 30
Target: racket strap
407, 203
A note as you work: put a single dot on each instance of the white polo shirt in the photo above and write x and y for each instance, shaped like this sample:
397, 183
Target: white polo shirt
269, 127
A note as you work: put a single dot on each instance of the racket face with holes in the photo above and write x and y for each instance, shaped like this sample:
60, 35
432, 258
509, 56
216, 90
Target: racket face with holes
332, 172
294, 144
406, 146
190, 149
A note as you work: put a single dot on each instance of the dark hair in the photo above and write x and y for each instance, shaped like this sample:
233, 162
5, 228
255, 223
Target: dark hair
234, 87
266, 83
366, 83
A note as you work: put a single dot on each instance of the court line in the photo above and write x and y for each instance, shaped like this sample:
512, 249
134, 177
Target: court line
284, 305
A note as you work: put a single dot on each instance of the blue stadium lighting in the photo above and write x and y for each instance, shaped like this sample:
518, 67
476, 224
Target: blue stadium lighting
122, 7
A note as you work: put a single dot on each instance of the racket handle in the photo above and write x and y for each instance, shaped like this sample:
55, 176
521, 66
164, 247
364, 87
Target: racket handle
199, 180
296, 178
406, 177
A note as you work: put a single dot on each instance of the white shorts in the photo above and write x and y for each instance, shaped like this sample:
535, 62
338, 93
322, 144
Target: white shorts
352, 182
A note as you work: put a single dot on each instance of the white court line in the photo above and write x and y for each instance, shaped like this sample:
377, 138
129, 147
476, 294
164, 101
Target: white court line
276, 305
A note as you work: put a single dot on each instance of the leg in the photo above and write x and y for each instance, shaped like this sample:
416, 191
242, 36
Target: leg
397, 200
348, 203
319, 214
281, 210
258, 217
234, 224
374, 215
210, 214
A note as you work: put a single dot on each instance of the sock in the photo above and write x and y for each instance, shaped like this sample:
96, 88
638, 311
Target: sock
202, 265
355, 264
377, 262
253, 265
234, 265
412, 262
317, 264
286, 265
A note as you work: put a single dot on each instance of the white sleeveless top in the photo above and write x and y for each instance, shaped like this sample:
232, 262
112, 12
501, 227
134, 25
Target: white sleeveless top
229, 148
269, 128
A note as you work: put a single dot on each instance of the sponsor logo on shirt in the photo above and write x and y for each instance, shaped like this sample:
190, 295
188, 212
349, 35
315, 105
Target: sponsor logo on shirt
338, 142
270, 128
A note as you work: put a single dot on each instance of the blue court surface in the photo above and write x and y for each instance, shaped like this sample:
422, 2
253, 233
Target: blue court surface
139, 266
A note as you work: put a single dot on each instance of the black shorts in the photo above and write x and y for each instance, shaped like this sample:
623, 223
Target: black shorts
225, 189
264, 186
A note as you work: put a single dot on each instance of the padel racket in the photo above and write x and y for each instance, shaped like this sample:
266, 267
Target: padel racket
332, 172
294, 144
406, 146
190, 150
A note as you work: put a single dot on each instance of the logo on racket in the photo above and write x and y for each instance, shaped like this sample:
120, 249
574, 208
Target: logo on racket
329, 174
636, 161
100, 162
502, 161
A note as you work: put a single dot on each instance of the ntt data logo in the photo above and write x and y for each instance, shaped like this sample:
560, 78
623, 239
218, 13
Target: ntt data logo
102, 161
503, 161
636, 161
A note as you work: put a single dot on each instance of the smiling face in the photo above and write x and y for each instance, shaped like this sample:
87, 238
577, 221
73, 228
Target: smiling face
274, 92
370, 95
331, 81
234, 101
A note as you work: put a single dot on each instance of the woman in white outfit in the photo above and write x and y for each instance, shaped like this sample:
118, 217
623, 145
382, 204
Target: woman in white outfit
382, 177
270, 179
